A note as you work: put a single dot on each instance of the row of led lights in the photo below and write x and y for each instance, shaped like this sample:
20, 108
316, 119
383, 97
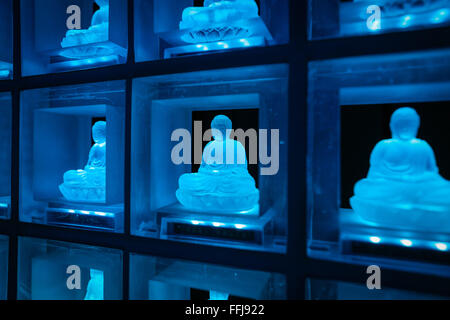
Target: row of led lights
438, 16
220, 224
224, 45
409, 243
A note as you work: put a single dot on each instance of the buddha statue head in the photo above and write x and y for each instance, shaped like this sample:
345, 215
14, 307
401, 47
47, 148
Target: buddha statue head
224, 125
99, 132
404, 123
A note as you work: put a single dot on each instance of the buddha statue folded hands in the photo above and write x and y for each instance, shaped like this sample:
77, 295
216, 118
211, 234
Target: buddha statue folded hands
403, 187
222, 184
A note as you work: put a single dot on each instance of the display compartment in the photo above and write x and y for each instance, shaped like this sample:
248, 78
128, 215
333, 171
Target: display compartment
174, 28
343, 18
6, 39
153, 278
72, 34
53, 270
321, 289
219, 205
3, 267
5, 154
378, 171
72, 156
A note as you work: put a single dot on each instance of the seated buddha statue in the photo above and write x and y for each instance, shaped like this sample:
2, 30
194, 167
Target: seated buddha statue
403, 187
222, 184
96, 33
218, 20
88, 184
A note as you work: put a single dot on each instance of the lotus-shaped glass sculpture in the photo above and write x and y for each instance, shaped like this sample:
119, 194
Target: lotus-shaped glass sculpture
218, 20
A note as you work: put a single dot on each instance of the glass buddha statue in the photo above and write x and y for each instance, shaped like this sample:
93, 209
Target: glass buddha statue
403, 187
218, 20
222, 184
88, 185
96, 33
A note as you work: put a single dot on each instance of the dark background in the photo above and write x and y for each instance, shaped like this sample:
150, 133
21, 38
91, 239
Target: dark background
241, 118
362, 126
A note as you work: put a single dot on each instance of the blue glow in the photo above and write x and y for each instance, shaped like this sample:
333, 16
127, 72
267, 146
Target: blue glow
4, 74
205, 191
440, 16
240, 226
89, 185
4, 205
375, 239
195, 222
218, 224
406, 21
396, 174
441, 246
216, 295
406, 242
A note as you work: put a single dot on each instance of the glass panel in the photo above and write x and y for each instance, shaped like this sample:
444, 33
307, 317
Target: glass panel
176, 28
68, 176
219, 204
318, 289
343, 18
3, 267
153, 278
72, 34
5, 154
6, 39
377, 186
52, 270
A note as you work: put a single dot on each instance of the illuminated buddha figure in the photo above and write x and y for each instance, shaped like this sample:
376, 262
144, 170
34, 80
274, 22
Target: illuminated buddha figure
218, 20
96, 33
403, 187
222, 183
88, 185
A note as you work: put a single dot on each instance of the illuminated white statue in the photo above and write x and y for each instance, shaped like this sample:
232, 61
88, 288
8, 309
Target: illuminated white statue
403, 187
222, 183
88, 185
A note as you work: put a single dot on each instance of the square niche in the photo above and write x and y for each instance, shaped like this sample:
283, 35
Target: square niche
153, 278
53, 270
322, 289
255, 100
68, 35
177, 28
344, 18
4, 245
6, 39
69, 175
366, 200
5, 154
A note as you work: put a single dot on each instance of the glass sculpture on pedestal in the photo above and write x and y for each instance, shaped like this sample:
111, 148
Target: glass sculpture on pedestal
75, 41
403, 188
88, 185
218, 25
218, 20
222, 183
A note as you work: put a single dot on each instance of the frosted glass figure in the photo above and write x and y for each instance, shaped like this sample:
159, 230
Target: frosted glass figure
95, 286
222, 183
96, 33
403, 187
218, 20
88, 185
